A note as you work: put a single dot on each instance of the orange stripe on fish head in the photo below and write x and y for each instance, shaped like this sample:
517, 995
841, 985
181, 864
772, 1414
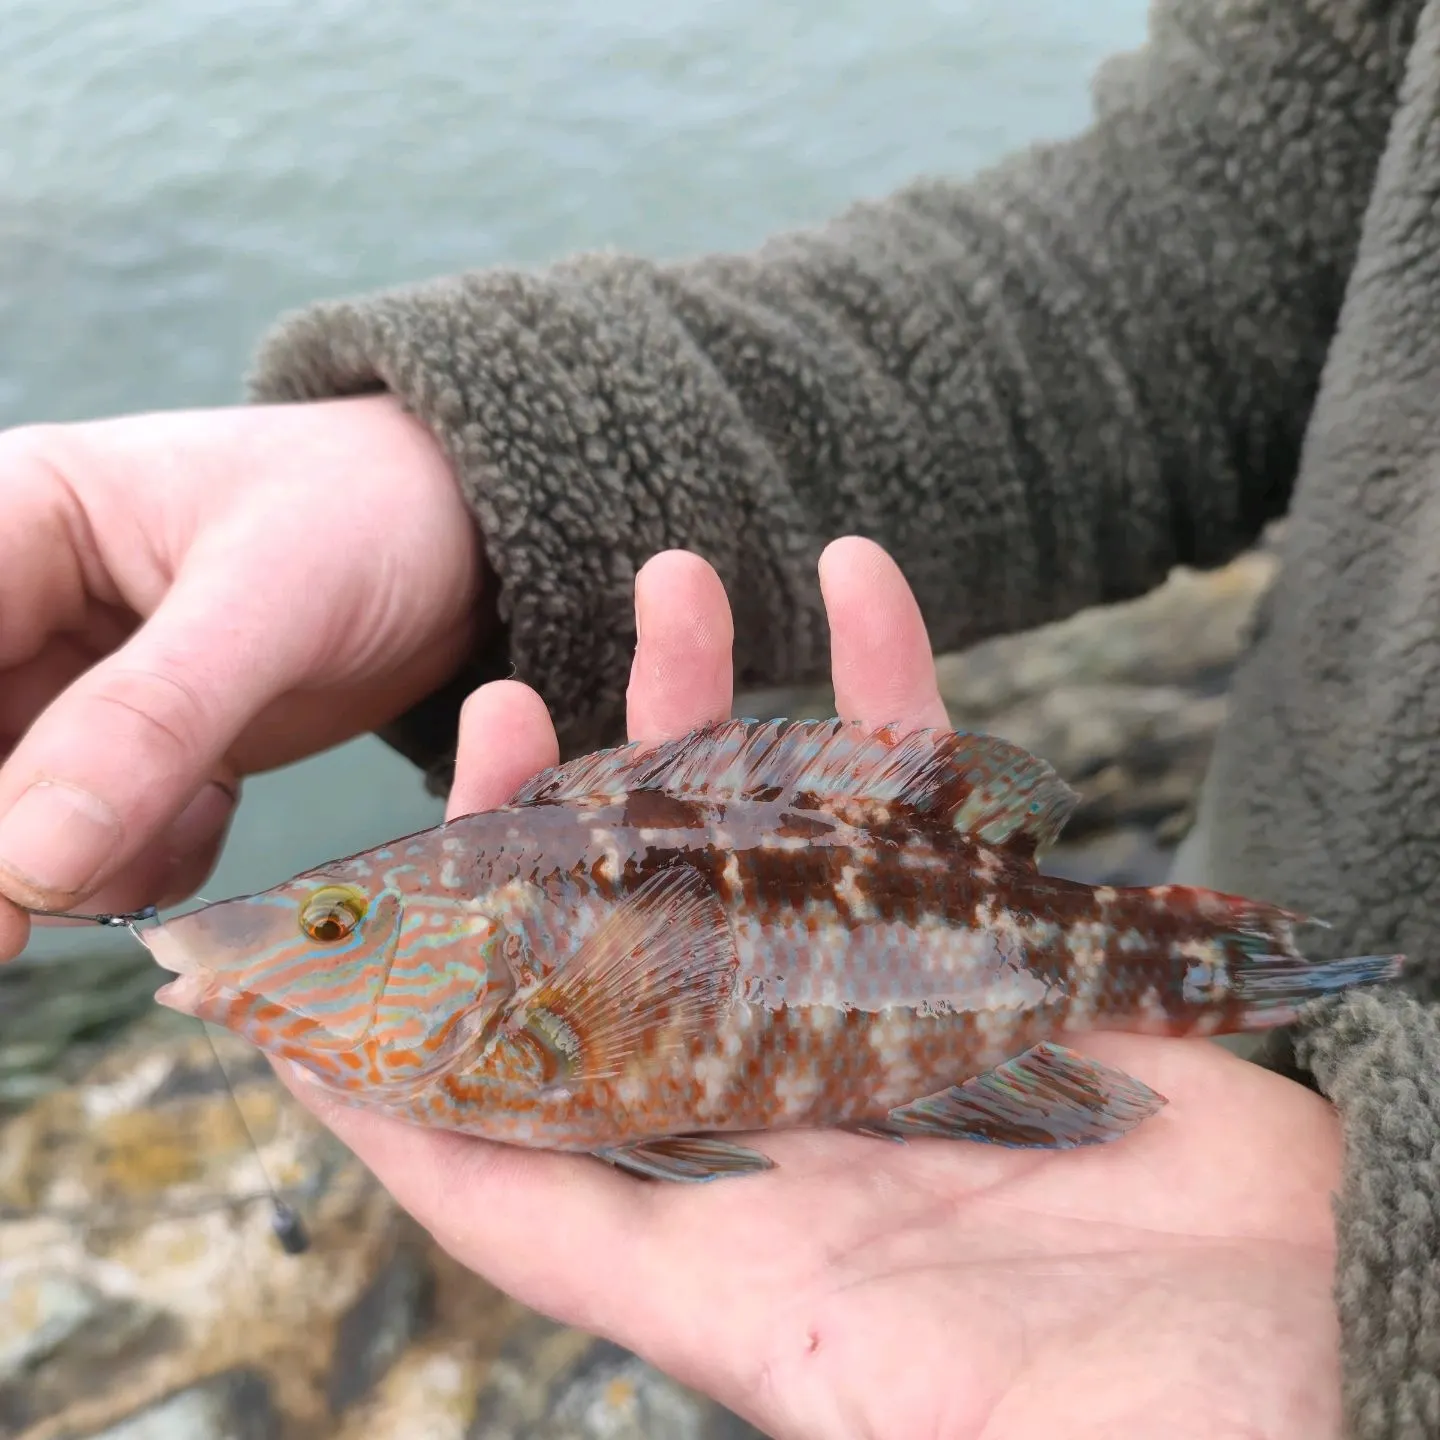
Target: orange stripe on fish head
372, 993
317, 953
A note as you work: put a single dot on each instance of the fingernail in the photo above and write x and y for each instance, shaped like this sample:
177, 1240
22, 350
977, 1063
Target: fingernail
53, 841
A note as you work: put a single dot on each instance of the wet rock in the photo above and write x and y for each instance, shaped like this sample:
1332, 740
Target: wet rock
138, 1262
1132, 856
389, 1313
237, 1406
60, 1011
58, 1335
38, 1317
551, 1383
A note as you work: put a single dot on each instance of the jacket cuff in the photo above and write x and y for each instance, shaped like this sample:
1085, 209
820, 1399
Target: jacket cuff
1376, 1055
517, 377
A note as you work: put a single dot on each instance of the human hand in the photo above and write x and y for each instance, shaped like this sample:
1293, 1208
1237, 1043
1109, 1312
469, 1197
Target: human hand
191, 597
1175, 1283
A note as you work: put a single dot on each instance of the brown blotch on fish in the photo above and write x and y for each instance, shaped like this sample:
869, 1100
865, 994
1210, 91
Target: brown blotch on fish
796, 826
655, 810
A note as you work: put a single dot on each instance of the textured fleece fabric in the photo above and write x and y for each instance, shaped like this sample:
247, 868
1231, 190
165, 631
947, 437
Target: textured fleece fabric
1041, 388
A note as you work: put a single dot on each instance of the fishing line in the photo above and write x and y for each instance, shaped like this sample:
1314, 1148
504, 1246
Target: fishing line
126, 920
288, 1227
285, 1223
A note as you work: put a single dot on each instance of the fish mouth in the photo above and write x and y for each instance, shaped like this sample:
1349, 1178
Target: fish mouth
186, 993
245, 964
191, 987
169, 952
219, 939
172, 945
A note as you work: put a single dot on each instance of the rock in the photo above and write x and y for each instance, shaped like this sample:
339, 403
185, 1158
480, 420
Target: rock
145, 1297
551, 1383
131, 1197
234, 1406
60, 1011
1130, 856
372, 1334
59, 1333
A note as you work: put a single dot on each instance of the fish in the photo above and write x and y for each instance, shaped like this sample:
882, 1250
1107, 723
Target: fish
755, 927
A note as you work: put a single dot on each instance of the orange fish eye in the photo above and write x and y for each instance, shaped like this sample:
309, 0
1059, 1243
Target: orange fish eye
332, 913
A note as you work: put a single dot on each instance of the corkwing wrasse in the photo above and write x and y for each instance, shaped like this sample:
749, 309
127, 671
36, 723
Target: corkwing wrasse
757, 926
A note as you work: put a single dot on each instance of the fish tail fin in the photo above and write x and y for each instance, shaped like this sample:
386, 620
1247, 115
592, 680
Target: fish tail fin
1272, 985
1243, 970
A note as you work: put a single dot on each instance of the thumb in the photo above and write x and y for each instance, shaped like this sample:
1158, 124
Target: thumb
116, 757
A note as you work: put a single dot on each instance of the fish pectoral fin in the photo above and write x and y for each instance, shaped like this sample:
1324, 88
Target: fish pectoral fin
685, 1158
1048, 1098
660, 970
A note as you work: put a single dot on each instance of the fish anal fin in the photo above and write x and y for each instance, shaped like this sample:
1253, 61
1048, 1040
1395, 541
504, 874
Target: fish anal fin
979, 785
690, 1159
1049, 1098
660, 969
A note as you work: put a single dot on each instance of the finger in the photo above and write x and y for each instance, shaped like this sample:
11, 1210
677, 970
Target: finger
14, 931
28, 688
880, 656
177, 865
174, 868
682, 676
179, 861
42, 589
506, 737
120, 753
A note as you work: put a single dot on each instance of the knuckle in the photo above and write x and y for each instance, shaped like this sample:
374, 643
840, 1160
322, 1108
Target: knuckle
36, 459
25, 445
169, 710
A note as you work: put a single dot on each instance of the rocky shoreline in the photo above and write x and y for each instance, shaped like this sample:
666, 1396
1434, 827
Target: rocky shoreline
142, 1296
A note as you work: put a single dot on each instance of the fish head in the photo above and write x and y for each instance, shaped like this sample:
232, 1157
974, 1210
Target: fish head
370, 985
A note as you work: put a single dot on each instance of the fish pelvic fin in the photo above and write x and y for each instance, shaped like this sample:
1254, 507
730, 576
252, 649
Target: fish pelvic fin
660, 970
948, 780
691, 1159
1049, 1098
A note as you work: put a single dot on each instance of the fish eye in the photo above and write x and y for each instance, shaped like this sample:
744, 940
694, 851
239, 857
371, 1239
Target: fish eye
332, 913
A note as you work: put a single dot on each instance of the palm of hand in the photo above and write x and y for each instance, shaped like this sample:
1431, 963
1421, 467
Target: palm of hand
1173, 1283
1170, 1284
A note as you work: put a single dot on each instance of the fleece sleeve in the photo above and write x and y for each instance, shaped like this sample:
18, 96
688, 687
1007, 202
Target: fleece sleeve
1039, 388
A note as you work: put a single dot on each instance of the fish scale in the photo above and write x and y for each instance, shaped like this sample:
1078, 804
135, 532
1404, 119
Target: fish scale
755, 927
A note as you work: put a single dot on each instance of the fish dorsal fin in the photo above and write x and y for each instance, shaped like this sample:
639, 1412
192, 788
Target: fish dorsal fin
957, 780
